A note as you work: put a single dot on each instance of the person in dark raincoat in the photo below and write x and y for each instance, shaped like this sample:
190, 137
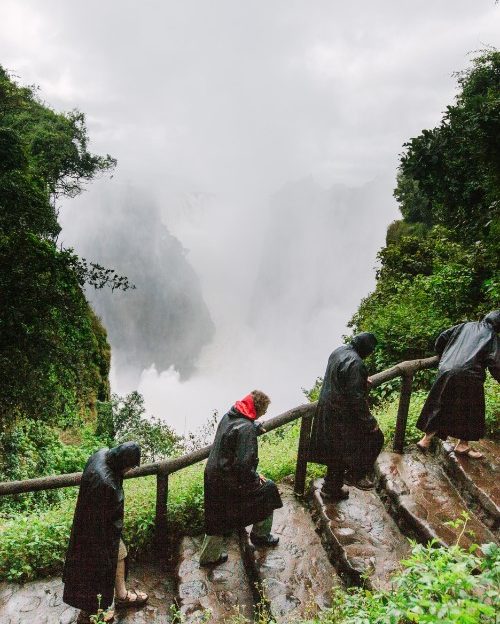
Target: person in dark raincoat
236, 495
345, 436
455, 404
95, 560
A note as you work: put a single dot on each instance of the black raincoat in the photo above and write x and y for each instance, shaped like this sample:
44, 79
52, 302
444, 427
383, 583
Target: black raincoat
455, 404
92, 554
342, 430
234, 494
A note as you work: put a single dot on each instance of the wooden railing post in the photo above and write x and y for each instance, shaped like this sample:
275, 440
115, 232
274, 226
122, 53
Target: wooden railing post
403, 408
161, 510
302, 455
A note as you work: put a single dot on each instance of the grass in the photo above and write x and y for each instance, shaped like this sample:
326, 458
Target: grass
34, 545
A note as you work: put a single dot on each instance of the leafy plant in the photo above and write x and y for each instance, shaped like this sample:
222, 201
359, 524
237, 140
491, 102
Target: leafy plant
156, 439
448, 585
440, 263
34, 544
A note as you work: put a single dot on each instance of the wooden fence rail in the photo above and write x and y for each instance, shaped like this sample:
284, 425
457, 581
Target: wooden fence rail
163, 469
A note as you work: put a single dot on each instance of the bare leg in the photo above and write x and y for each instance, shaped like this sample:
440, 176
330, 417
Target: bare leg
120, 587
121, 592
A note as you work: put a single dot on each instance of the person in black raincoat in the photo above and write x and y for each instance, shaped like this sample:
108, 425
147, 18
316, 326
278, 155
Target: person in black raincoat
345, 436
236, 495
95, 559
455, 404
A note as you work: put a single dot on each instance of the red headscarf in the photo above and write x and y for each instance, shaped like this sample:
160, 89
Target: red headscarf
246, 407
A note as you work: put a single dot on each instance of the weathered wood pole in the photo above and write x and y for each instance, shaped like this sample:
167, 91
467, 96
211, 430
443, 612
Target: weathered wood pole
302, 455
161, 510
403, 408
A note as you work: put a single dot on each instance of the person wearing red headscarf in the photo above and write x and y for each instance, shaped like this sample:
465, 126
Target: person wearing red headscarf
236, 495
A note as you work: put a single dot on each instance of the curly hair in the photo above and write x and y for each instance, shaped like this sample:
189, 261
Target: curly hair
260, 401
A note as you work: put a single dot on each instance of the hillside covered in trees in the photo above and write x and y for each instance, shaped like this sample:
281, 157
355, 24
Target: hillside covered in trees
54, 354
440, 265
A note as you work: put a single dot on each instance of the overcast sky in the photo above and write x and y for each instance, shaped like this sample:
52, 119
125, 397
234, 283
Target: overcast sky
237, 99
264, 91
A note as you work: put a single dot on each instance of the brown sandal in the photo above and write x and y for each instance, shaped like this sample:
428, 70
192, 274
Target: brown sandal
132, 599
468, 452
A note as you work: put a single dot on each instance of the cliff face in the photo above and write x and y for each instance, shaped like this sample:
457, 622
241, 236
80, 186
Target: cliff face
164, 321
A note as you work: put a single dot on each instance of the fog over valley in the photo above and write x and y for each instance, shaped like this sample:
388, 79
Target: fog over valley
257, 148
278, 282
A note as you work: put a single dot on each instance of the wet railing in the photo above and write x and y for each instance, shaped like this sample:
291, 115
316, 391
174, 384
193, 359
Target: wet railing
405, 370
163, 469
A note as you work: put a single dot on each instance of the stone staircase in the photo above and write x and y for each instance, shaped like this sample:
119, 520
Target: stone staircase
322, 545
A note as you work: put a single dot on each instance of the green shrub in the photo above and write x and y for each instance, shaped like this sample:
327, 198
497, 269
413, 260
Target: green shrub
34, 545
156, 439
446, 585
492, 395
386, 415
33, 449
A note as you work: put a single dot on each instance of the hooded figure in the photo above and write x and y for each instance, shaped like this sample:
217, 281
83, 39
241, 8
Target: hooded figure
235, 494
344, 435
91, 559
455, 404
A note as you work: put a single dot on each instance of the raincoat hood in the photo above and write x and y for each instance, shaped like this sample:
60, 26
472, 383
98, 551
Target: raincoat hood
364, 343
493, 318
246, 407
127, 455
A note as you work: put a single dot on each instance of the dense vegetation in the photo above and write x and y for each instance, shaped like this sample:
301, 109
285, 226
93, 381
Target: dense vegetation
439, 266
33, 544
448, 585
54, 355
440, 263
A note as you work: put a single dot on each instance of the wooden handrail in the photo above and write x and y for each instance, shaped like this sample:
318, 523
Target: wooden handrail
409, 367
163, 469
167, 466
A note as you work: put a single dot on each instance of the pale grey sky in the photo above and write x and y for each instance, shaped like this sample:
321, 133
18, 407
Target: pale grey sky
254, 91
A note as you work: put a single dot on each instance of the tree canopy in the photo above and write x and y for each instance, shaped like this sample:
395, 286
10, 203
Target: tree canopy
54, 356
440, 263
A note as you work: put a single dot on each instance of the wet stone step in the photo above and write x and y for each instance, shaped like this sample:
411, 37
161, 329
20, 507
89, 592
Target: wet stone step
477, 479
40, 602
363, 540
223, 590
422, 496
295, 578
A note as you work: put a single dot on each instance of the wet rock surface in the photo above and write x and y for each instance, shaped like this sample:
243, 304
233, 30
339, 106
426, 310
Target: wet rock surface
224, 590
365, 542
421, 493
40, 602
295, 577
477, 479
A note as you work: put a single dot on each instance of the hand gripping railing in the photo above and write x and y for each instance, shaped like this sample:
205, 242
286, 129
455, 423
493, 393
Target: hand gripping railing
406, 371
163, 469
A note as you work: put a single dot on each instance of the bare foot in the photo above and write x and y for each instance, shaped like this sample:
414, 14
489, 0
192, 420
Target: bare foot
464, 449
424, 444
